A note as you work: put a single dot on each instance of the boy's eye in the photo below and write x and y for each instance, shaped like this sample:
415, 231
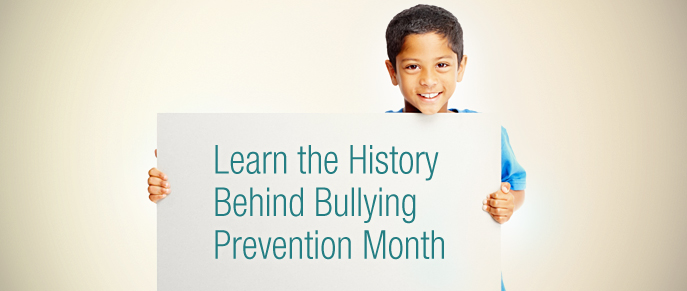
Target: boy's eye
442, 65
411, 67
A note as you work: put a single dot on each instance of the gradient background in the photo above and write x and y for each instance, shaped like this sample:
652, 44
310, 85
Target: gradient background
592, 93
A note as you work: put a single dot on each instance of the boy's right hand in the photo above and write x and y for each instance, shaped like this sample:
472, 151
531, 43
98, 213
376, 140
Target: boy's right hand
158, 187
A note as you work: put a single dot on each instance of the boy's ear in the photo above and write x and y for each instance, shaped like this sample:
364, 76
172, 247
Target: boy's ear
461, 70
392, 72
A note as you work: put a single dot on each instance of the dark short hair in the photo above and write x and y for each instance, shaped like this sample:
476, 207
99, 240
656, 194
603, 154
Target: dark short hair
422, 19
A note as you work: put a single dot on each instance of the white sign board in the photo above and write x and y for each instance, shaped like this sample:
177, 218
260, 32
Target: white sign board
328, 202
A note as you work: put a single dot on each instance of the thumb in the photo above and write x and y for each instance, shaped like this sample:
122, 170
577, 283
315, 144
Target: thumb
156, 153
505, 187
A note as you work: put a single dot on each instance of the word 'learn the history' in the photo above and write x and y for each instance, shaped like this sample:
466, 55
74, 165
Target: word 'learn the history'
361, 159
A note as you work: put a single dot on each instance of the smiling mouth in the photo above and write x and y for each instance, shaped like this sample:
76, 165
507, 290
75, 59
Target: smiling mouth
430, 96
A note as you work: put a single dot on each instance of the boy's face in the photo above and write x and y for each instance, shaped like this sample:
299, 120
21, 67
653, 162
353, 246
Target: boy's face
428, 71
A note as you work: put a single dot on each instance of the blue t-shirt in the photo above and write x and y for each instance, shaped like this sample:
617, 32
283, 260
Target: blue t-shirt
511, 171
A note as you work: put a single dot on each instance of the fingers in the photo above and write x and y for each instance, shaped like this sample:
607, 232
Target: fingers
498, 203
158, 190
499, 215
501, 218
154, 172
155, 181
497, 211
155, 198
156, 153
497, 199
502, 193
158, 186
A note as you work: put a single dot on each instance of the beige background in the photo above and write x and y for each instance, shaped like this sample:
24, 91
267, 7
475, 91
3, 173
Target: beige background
592, 94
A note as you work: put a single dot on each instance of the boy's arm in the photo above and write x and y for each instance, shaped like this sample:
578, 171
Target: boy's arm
519, 198
501, 204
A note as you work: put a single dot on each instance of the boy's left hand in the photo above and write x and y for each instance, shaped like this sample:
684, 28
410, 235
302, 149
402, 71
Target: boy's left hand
500, 204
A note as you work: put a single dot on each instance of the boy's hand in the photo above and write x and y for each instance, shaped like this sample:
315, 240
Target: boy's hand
500, 204
158, 187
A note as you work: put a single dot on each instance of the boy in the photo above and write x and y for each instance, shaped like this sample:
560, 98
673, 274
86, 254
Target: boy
425, 49
426, 61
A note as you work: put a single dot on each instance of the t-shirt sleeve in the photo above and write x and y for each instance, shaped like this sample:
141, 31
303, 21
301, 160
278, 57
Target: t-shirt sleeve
511, 171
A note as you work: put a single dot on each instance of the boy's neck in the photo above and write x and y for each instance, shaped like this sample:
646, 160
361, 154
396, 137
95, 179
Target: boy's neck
409, 108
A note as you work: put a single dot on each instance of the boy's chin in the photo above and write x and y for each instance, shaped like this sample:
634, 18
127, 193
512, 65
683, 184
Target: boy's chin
424, 108
429, 110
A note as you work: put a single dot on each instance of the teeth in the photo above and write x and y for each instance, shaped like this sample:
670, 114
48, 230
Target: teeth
431, 95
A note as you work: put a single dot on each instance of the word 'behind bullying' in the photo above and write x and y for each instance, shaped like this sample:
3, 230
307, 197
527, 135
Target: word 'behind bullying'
253, 204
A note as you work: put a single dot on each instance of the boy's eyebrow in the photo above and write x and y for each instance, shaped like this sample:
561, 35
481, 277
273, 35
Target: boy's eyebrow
439, 58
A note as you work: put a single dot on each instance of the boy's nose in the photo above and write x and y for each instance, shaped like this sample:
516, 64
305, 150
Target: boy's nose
428, 79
